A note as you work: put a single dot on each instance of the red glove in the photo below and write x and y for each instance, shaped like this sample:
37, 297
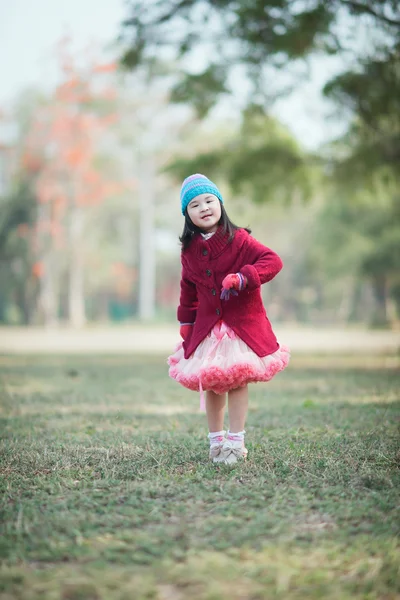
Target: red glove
185, 330
232, 283
235, 281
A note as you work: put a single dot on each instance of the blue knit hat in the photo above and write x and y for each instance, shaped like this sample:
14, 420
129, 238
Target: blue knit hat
197, 184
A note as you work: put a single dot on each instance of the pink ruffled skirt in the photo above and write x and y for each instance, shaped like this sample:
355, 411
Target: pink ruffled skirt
223, 361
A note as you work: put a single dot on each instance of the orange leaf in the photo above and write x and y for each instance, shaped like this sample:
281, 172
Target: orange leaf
105, 68
38, 269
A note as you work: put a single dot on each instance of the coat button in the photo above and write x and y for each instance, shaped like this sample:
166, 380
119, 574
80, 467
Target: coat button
218, 311
214, 292
208, 273
205, 252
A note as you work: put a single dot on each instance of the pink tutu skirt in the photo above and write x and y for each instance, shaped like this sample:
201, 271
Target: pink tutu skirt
223, 361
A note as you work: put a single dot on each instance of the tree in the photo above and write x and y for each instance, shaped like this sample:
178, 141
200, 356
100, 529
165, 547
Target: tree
359, 241
262, 36
260, 159
366, 178
60, 151
372, 97
18, 281
252, 33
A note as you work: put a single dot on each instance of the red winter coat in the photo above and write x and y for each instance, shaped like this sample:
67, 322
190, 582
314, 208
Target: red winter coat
205, 263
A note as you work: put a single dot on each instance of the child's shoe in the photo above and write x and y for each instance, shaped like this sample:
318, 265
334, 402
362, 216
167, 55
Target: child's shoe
217, 440
215, 452
233, 449
231, 452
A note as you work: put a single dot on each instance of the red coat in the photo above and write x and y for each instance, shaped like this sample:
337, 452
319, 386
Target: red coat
204, 266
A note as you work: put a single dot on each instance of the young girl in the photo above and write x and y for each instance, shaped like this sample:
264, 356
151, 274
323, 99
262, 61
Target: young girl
228, 341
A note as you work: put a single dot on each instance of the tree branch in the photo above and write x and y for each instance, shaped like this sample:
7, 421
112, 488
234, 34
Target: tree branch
368, 10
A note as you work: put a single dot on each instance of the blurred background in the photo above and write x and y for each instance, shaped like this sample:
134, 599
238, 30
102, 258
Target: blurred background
291, 107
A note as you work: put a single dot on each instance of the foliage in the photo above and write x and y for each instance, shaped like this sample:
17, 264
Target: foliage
18, 208
372, 94
60, 154
356, 238
61, 143
365, 179
17, 279
261, 161
258, 35
108, 492
200, 89
252, 33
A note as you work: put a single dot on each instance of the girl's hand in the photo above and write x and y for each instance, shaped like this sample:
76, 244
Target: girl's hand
232, 283
185, 330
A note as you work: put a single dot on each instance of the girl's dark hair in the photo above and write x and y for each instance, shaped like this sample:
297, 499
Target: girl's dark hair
189, 229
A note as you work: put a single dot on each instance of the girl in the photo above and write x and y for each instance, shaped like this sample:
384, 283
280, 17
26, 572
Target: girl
228, 341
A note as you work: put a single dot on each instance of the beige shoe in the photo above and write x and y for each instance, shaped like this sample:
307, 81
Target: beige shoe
231, 452
217, 440
215, 451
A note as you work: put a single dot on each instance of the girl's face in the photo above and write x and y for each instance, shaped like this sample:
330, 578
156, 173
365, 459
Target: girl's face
205, 212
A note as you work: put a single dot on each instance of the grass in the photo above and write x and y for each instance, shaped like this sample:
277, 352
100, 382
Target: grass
106, 491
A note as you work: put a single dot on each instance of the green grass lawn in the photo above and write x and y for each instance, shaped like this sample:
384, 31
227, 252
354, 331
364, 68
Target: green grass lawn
107, 493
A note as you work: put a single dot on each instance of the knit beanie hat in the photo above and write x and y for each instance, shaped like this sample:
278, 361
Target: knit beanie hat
197, 184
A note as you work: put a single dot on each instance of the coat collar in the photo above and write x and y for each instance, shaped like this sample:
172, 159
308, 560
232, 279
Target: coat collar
211, 248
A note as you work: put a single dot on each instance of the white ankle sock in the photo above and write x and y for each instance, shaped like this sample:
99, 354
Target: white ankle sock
237, 436
216, 437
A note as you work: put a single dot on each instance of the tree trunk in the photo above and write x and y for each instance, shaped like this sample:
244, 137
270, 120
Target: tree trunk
346, 307
379, 287
48, 299
76, 297
146, 236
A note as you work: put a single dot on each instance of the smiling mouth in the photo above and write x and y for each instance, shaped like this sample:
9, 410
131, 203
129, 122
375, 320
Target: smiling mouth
205, 216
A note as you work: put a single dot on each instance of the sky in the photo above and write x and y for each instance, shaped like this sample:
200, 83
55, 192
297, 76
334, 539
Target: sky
30, 30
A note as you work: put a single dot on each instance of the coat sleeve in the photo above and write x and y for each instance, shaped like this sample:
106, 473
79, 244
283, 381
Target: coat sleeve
263, 264
188, 302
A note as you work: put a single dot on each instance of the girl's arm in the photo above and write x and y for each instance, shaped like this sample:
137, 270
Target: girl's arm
263, 264
188, 302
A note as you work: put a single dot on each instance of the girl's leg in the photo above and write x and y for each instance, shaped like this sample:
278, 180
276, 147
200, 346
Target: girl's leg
215, 408
238, 402
234, 448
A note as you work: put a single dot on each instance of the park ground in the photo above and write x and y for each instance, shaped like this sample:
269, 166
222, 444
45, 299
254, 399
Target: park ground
107, 494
